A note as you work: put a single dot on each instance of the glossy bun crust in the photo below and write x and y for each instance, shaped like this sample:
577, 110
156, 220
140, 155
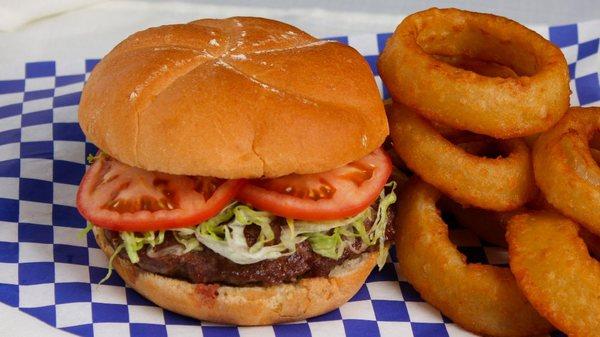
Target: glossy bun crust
233, 98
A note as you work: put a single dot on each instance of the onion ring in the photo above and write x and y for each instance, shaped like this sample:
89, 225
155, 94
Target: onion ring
485, 68
491, 226
565, 170
595, 141
499, 184
596, 155
482, 298
487, 225
591, 241
555, 271
494, 106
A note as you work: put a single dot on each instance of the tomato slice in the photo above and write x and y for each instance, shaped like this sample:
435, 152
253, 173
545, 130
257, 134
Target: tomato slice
336, 194
119, 197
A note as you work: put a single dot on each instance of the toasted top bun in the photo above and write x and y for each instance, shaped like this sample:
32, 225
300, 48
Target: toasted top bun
246, 305
234, 98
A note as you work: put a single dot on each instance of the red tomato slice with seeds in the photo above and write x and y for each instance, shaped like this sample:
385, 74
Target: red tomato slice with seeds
336, 194
119, 197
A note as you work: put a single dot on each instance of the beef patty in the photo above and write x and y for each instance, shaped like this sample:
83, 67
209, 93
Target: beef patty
206, 266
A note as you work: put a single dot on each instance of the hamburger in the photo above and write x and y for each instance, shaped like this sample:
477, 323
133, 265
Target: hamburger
240, 176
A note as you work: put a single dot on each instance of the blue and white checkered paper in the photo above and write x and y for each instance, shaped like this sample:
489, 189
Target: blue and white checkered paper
47, 271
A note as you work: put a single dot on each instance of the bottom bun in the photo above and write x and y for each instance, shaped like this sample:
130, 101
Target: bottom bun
246, 305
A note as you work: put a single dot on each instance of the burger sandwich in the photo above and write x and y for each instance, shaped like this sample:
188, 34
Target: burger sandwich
239, 177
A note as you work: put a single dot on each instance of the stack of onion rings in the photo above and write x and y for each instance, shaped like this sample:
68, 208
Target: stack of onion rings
487, 225
499, 184
483, 298
457, 77
555, 271
491, 226
500, 107
565, 169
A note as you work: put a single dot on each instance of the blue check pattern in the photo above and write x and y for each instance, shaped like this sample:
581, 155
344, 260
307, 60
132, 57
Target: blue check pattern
49, 272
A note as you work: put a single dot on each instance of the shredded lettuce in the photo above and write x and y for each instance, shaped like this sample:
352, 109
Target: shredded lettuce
189, 242
323, 226
91, 158
332, 244
133, 243
82, 233
377, 231
224, 234
111, 261
328, 245
245, 215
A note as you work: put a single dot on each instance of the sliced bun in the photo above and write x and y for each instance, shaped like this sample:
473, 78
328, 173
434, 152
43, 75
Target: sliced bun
246, 305
234, 98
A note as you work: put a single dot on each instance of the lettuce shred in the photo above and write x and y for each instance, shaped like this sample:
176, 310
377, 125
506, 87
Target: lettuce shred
133, 242
333, 244
110, 263
91, 158
84, 232
224, 234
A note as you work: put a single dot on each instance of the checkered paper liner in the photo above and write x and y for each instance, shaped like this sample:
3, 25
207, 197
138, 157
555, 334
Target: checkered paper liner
49, 272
